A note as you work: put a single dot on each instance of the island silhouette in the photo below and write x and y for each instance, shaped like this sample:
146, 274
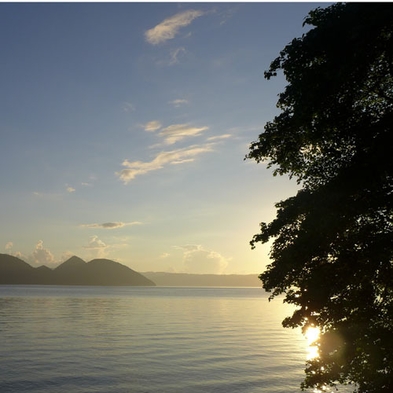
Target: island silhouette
74, 271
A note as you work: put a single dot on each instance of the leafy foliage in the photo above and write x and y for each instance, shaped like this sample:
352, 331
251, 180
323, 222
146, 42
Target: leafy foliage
332, 254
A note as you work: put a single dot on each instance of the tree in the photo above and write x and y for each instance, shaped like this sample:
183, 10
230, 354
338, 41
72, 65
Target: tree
332, 252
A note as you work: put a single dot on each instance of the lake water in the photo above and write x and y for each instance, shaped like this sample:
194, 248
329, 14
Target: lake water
143, 339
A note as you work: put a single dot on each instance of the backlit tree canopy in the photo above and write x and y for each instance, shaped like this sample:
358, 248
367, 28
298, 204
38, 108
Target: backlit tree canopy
332, 252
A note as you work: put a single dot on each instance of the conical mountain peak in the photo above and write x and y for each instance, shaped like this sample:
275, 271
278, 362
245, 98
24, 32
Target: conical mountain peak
74, 261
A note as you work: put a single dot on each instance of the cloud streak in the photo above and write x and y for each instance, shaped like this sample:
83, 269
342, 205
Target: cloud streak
168, 28
163, 159
152, 126
178, 103
177, 132
219, 137
111, 225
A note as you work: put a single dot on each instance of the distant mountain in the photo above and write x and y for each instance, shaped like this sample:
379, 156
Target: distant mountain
72, 263
74, 271
203, 280
14, 270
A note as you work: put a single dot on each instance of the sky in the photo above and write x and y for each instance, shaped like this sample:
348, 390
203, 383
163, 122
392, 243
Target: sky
124, 128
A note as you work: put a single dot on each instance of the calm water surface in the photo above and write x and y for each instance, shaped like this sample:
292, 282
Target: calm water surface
160, 339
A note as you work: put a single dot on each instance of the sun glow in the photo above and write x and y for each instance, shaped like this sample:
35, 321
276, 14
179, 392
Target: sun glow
312, 334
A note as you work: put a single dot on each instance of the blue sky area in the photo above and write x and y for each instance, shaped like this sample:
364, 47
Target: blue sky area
124, 127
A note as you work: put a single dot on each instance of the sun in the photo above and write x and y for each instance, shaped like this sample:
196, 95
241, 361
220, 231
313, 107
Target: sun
311, 334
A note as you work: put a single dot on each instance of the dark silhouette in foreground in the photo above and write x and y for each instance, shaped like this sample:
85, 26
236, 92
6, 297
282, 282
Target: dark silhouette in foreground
74, 271
332, 252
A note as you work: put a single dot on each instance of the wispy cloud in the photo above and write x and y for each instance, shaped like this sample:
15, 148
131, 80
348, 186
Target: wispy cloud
168, 28
95, 242
174, 57
175, 54
227, 14
219, 137
197, 259
90, 183
152, 125
9, 246
41, 255
179, 102
9, 250
47, 196
128, 107
177, 132
174, 157
97, 248
111, 225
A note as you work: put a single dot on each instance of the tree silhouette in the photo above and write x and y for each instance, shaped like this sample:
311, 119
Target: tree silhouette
332, 252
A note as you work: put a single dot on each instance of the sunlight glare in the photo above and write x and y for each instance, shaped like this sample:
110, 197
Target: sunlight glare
312, 334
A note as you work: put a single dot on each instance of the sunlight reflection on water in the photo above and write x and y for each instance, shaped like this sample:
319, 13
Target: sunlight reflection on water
115, 340
311, 335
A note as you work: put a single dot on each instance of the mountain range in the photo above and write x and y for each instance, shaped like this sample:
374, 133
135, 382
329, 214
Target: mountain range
74, 271
165, 279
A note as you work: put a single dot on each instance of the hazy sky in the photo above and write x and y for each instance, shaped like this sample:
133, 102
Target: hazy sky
124, 128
